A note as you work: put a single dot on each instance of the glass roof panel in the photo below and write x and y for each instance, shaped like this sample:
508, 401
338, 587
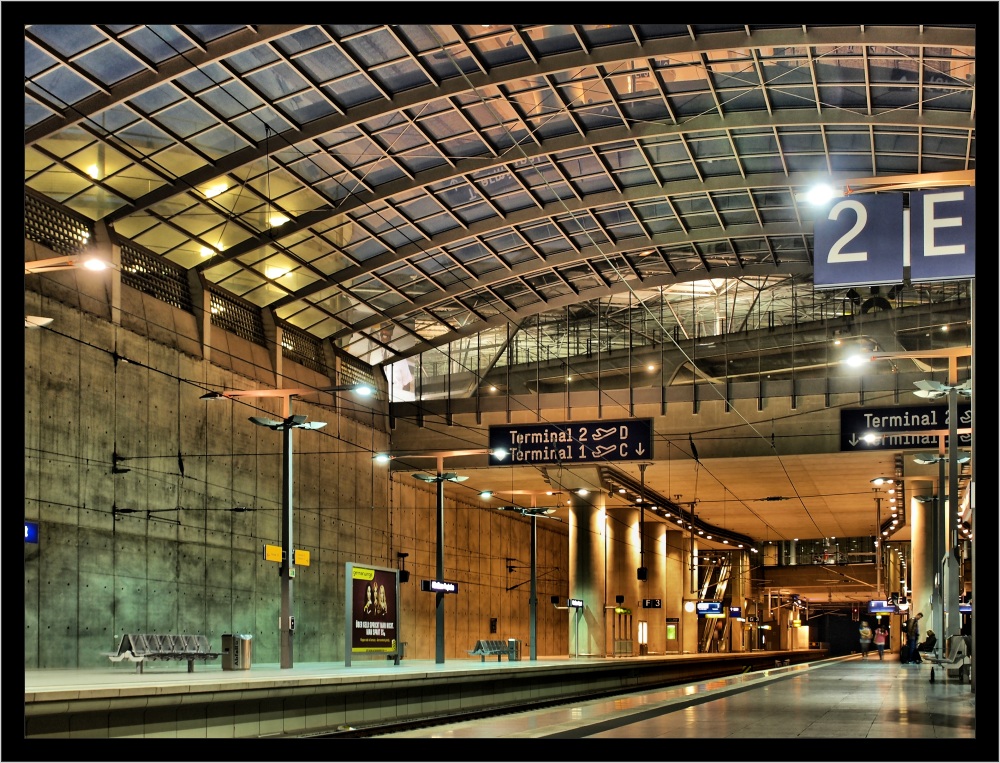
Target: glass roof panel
61, 85
499, 181
157, 43
109, 64
67, 40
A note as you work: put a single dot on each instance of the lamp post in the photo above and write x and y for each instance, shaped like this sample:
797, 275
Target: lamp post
946, 592
70, 262
641, 573
534, 513
288, 422
945, 531
878, 540
440, 477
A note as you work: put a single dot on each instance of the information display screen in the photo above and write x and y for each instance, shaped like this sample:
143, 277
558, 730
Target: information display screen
709, 609
879, 607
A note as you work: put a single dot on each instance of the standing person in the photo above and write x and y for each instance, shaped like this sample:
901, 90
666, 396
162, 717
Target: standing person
912, 636
880, 636
865, 634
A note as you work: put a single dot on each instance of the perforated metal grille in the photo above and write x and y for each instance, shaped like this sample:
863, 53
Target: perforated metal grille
54, 227
156, 277
302, 348
354, 371
237, 317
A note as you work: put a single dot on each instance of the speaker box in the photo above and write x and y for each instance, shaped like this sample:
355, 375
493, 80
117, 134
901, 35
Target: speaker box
404, 576
641, 573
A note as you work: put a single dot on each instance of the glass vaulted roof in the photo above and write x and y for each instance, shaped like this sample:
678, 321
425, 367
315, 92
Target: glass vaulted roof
455, 180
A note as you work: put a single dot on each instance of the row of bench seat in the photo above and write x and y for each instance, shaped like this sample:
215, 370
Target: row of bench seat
140, 647
956, 660
486, 647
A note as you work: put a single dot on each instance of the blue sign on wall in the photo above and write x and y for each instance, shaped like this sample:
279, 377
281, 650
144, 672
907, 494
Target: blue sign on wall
572, 443
31, 532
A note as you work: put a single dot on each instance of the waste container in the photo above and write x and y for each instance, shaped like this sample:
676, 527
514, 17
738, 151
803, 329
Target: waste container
513, 649
237, 651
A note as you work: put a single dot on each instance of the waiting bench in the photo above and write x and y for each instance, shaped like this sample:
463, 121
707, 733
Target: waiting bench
139, 647
486, 647
957, 658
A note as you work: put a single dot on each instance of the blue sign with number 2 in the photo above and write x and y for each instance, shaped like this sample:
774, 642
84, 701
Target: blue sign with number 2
860, 241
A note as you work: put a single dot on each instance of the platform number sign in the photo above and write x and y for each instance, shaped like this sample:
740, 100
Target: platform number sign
860, 241
869, 239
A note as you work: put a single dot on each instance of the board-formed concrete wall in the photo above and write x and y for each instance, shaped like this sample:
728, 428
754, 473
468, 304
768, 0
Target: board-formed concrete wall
154, 505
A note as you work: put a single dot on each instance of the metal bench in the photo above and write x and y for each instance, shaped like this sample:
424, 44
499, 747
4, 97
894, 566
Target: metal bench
487, 647
140, 647
957, 659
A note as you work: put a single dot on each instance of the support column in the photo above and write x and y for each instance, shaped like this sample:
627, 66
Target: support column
739, 586
690, 625
587, 560
655, 586
587, 637
622, 556
675, 589
924, 598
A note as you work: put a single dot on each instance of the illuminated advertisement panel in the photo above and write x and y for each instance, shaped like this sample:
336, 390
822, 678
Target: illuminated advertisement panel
371, 610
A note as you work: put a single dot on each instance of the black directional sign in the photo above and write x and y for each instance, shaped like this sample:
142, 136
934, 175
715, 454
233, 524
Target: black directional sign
574, 442
915, 426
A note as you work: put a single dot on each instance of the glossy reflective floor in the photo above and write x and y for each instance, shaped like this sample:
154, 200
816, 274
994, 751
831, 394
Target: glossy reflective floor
842, 710
847, 700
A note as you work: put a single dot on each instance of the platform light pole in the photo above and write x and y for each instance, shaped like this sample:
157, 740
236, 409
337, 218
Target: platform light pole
68, 262
946, 532
534, 513
439, 478
285, 425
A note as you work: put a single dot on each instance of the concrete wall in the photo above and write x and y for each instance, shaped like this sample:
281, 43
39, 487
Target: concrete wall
154, 506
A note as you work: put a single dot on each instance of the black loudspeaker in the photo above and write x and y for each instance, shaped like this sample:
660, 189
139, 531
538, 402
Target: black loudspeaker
641, 573
404, 576
619, 599
555, 600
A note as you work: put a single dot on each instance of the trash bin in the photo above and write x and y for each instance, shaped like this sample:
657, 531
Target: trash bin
513, 649
237, 651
